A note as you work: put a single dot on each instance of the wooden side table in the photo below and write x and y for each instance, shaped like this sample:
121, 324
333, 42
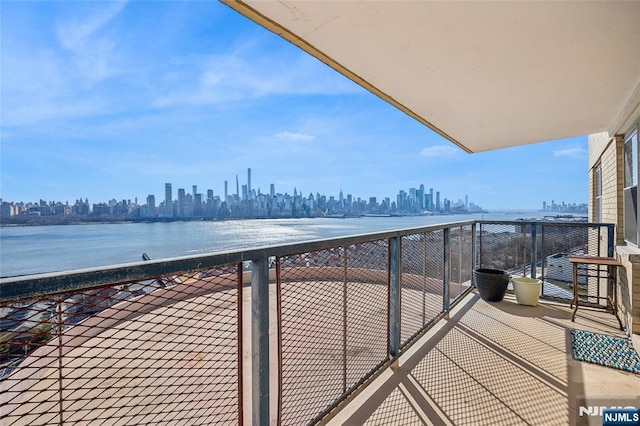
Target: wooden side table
611, 276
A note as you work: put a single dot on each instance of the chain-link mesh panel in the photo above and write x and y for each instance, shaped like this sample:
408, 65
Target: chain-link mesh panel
422, 281
461, 255
312, 292
163, 351
435, 275
367, 308
505, 246
559, 242
334, 324
414, 285
596, 290
562, 241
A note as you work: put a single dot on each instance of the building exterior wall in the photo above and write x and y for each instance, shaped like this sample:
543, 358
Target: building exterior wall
607, 151
629, 288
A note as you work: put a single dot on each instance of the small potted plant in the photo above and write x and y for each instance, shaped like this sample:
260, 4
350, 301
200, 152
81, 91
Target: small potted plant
491, 283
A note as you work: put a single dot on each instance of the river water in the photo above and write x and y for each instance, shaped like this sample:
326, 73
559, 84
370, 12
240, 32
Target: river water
37, 249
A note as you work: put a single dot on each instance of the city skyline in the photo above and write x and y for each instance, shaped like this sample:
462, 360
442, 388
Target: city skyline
181, 203
245, 202
100, 103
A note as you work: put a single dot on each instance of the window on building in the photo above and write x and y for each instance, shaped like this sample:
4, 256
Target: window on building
597, 216
631, 187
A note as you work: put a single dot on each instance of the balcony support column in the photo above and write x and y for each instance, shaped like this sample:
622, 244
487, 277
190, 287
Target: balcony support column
395, 272
260, 341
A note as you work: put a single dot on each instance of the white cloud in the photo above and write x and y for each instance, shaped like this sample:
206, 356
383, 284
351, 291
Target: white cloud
247, 73
92, 43
294, 136
74, 35
439, 151
576, 153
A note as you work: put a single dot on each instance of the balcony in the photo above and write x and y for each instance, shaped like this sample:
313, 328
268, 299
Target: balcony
384, 328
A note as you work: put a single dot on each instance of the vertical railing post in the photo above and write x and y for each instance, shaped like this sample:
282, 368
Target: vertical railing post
60, 325
345, 277
395, 271
460, 241
474, 252
447, 270
524, 249
534, 249
611, 243
424, 278
260, 341
480, 249
543, 255
240, 337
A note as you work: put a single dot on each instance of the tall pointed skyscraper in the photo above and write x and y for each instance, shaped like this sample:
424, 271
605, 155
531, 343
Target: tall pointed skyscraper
167, 194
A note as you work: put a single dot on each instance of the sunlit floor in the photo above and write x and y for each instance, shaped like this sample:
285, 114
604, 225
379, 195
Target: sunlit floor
496, 363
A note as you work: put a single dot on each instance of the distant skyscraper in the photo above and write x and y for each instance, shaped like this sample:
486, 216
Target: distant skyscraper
195, 190
438, 201
209, 194
168, 196
181, 197
272, 192
197, 201
431, 199
466, 202
226, 190
151, 201
237, 187
249, 182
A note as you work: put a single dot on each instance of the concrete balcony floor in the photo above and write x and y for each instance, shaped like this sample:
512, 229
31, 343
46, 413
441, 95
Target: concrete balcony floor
495, 363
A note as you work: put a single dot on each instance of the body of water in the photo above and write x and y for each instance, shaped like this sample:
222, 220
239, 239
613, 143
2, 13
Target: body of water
37, 249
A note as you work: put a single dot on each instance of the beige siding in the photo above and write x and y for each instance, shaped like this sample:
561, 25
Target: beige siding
629, 288
610, 158
608, 153
597, 144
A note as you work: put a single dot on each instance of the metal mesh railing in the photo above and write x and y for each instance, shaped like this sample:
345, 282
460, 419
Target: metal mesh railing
541, 249
461, 261
161, 342
334, 321
163, 351
312, 293
560, 241
422, 281
504, 246
367, 309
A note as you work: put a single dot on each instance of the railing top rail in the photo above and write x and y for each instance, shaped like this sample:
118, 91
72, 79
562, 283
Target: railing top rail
545, 223
26, 286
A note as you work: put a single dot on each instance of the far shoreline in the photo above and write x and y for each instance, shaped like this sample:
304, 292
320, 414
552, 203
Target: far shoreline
27, 221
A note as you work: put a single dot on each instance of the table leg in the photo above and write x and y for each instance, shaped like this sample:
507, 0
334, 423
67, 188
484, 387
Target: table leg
575, 291
612, 293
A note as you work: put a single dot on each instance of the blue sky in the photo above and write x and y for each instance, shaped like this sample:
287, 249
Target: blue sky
105, 100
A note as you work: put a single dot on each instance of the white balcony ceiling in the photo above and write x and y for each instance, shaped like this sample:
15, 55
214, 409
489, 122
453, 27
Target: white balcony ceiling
483, 74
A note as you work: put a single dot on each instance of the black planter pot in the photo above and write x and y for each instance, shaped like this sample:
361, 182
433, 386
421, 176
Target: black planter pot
491, 283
